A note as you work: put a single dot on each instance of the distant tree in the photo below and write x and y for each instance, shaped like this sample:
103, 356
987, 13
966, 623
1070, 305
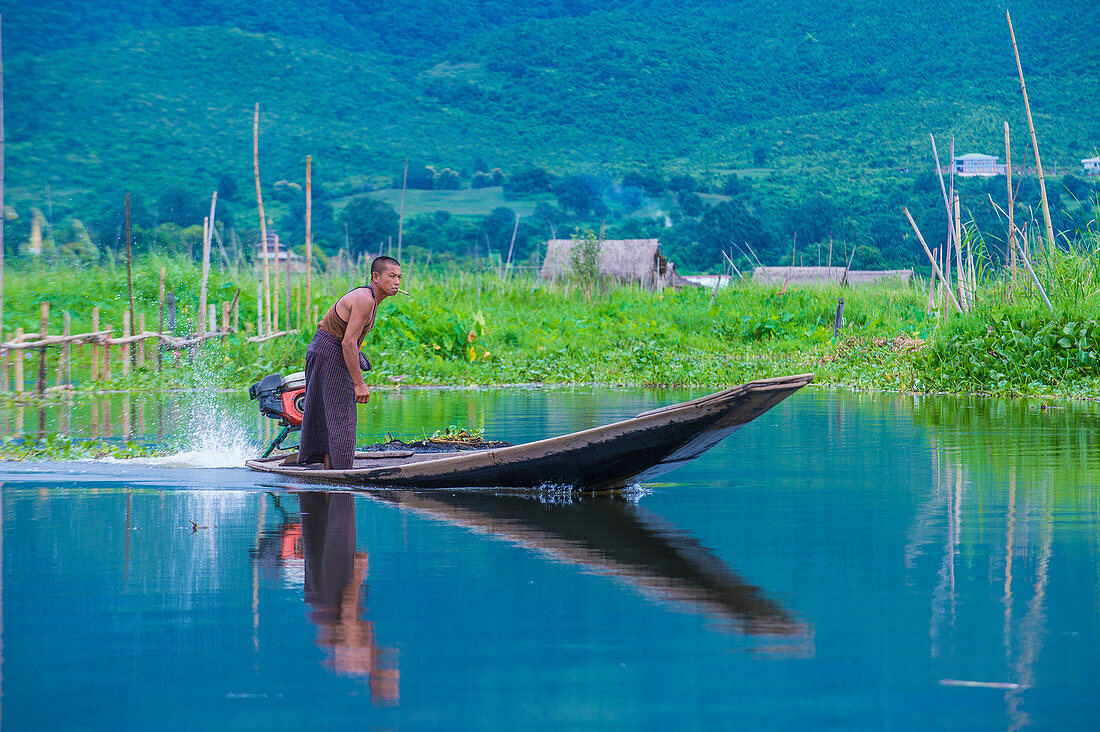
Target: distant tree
580, 194
735, 186
1077, 188
652, 185
227, 187
867, 257
421, 177
693, 205
529, 182
178, 206
481, 180
447, 180
759, 156
723, 225
370, 222
682, 185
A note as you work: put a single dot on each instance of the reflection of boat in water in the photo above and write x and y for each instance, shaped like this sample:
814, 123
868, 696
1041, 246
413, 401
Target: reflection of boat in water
612, 537
611, 456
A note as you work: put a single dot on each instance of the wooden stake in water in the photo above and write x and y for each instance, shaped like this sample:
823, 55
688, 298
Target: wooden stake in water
266, 299
43, 331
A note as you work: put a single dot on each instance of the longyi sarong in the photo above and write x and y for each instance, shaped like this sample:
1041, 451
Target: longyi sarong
328, 419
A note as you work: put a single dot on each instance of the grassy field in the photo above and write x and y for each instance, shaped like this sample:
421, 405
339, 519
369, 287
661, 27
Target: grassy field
463, 328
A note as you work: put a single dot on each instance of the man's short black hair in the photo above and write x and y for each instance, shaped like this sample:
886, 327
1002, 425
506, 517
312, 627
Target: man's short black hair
380, 264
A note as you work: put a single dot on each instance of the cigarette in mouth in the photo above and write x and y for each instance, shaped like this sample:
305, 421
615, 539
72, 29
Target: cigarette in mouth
403, 292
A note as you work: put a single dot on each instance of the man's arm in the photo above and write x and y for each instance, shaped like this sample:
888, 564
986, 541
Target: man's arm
362, 307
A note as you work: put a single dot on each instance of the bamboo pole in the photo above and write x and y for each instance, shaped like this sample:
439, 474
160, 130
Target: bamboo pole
1034, 140
126, 346
65, 372
309, 231
95, 348
43, 331
18, 364
961, 276
932, 259
401, 215
511, 247
207, 226
263, 221
225, 318
276, 290
286, 289
107, 356
129, 262
141, 343
2, 209
259, 308
237, 311
1011, 205
160, 320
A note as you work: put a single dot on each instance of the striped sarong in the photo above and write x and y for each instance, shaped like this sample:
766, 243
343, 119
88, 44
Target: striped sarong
328, 419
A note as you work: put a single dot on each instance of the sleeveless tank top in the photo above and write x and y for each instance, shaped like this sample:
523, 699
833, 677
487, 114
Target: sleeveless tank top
336, 326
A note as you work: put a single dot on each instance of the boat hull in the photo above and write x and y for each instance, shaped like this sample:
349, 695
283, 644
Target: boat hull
633, 450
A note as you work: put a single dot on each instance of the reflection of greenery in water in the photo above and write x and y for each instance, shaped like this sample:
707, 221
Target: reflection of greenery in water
1039, 443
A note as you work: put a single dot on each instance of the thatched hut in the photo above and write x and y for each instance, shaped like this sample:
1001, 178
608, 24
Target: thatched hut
630, 261
810, 276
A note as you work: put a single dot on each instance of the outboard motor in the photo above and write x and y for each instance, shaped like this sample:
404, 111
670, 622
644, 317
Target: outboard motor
282, 399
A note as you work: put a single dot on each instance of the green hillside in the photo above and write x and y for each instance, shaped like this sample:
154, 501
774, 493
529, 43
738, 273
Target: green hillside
837, 100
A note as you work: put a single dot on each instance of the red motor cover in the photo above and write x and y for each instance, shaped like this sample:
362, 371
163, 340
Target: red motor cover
292, 406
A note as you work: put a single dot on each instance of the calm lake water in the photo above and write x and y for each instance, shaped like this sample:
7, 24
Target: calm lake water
846, 561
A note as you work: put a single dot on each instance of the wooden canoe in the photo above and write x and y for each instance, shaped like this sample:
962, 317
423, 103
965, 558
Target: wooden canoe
601, 458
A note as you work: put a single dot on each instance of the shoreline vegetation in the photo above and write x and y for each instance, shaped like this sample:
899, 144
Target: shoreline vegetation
461, 328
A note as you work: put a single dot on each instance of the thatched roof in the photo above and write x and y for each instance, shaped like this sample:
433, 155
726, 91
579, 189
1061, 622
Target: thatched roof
627, 260
827, 275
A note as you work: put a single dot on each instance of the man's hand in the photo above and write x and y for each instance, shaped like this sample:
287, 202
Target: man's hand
362, 393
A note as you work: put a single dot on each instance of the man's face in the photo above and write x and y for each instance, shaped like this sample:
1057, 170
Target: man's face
388, 280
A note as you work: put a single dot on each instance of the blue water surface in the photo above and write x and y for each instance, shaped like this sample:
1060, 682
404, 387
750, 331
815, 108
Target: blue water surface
844, 562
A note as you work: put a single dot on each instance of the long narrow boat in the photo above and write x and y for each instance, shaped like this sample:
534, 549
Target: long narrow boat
601, 458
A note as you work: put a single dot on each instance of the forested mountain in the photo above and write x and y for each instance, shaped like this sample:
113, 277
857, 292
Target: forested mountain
834, 99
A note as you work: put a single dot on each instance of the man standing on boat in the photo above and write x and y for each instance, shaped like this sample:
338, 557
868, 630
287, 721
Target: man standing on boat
335, 366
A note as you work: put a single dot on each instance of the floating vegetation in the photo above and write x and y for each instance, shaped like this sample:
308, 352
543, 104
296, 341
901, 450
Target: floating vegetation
58, 446
454, 433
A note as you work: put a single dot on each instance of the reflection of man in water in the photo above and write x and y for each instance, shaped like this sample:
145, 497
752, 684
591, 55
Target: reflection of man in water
334, 577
